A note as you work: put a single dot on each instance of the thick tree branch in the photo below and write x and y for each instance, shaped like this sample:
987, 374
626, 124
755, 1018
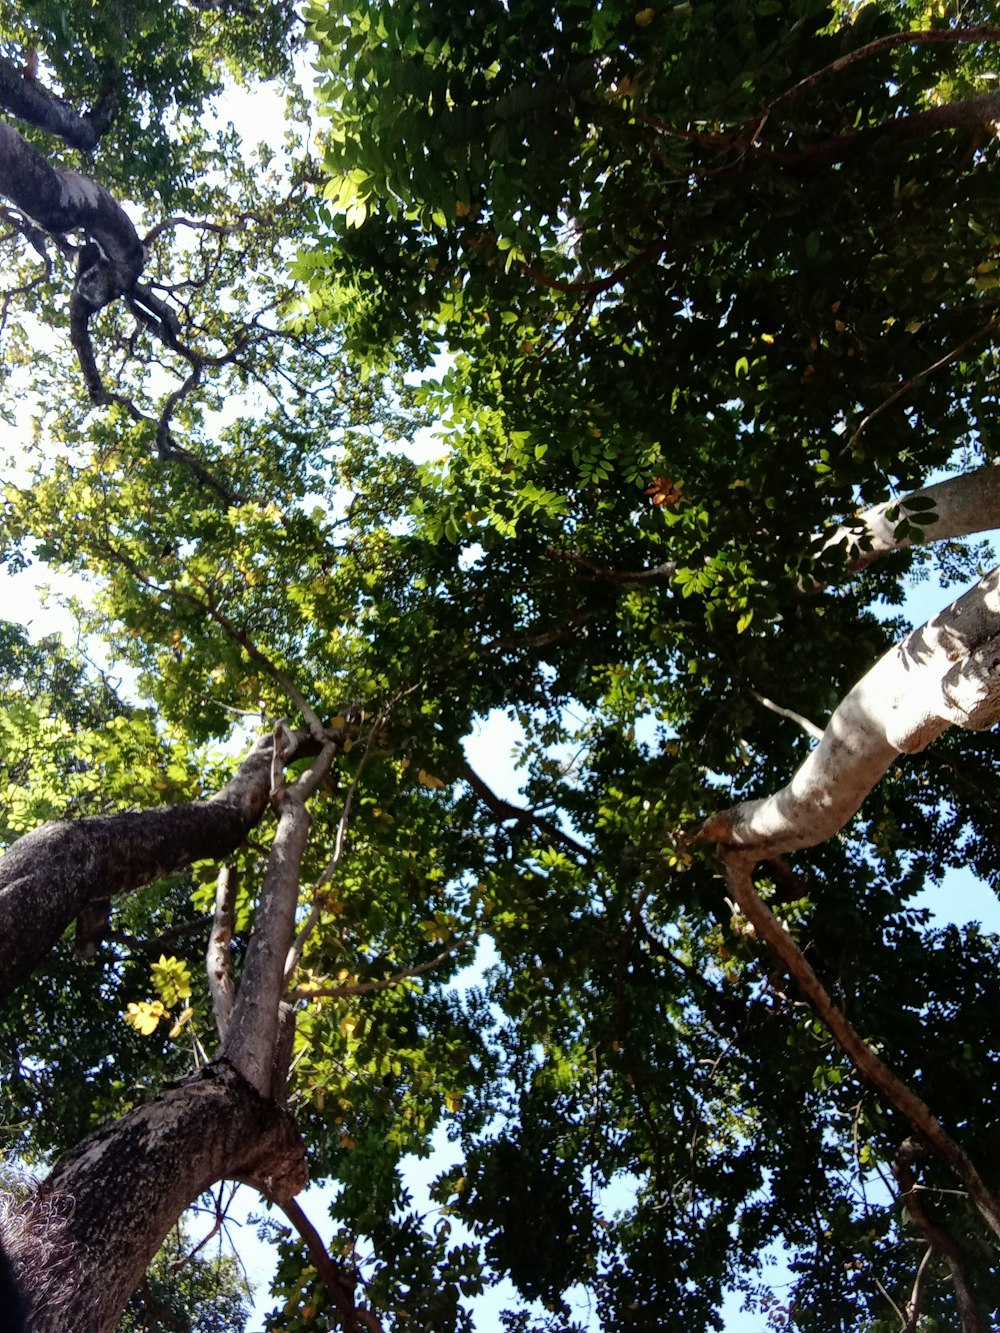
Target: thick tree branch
957, 507
978, 112
937, 1238
50, 874
62, 201
219, 959
29, 100
946, 673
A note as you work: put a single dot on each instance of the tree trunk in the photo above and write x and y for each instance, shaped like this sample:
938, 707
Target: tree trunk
83, 1240
81, 1244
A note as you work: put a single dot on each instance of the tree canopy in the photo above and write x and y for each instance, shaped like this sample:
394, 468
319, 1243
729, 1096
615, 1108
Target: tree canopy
612, 368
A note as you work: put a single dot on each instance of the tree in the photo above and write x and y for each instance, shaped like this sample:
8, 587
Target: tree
710, 282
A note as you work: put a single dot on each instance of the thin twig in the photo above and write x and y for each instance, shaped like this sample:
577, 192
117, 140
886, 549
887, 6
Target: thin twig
808, 727
914, 380
384, 983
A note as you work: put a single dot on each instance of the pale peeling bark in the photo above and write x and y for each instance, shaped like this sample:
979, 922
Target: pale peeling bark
946, 673
962, 505
50, 875
251, 1040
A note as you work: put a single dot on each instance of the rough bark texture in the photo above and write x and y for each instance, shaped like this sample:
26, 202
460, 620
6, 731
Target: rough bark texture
50, 875
946, 673
123, 1188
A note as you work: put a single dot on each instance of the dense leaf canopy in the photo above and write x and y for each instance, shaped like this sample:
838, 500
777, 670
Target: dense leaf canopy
522, 380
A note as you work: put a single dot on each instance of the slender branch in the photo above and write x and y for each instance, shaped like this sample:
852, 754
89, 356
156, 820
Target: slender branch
922, 375
738, 867
28, 99
930, 37
573, 622
595, 286
340, 842
160, 942
622, 578
937, 1239
339, 1284
219, 958
808, 727
504, 810
383, 983
309, 715
917, 1292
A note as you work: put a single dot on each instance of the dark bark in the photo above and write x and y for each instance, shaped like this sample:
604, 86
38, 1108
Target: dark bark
62, 201
49, 876
23, 96
120, 1191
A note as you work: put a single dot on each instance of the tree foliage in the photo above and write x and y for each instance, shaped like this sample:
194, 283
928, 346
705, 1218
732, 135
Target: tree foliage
675, 289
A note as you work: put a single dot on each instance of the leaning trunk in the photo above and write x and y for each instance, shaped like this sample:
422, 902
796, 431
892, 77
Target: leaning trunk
81, 1245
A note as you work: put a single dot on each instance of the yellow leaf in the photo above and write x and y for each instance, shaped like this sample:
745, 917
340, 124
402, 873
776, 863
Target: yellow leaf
453, 1101
145, 1016
182, 1021
645, 17
429, 780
